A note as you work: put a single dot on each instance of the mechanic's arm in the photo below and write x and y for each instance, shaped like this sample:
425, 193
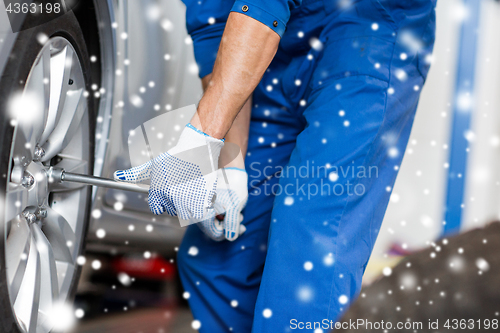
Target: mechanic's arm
246, 50
238, 134
247, 47
232, 180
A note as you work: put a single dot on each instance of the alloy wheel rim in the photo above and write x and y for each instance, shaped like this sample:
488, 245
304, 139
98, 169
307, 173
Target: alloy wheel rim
45, 220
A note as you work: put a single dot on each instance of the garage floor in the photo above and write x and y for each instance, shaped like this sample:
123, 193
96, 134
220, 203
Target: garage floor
140, 321
144, 302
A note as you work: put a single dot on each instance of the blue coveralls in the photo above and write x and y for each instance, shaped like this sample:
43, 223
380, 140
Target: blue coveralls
329, 127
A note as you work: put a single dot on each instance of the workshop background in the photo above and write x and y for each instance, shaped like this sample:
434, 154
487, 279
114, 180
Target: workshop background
449, 180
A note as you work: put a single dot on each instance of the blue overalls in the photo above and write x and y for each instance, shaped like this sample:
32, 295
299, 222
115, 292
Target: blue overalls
330, 123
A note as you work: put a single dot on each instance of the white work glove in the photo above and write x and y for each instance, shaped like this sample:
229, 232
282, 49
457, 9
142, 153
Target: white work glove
184, 179
232, 196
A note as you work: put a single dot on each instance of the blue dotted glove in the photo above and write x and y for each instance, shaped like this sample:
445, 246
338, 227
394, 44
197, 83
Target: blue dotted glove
232, 196
184, 179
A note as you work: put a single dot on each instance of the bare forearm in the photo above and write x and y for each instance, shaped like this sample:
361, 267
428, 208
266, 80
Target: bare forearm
237, 134
245, 52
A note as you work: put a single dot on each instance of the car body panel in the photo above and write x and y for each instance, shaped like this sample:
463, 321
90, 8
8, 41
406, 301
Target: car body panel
146, 85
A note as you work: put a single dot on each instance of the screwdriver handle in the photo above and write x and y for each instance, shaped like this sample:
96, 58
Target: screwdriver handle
103, 182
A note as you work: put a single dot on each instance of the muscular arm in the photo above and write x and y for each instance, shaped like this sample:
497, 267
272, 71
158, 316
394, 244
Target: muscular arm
245, 52
237, 134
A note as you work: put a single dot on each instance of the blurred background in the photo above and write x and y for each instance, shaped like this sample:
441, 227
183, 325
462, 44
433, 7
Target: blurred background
143, 66
449, 180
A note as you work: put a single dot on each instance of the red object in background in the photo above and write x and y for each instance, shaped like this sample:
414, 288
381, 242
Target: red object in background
155, 268
397, 249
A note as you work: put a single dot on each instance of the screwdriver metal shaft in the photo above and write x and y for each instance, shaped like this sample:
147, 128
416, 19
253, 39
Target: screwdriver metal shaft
97, 181
58, 175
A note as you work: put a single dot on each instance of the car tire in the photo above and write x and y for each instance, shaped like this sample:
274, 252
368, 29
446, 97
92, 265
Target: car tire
24, 53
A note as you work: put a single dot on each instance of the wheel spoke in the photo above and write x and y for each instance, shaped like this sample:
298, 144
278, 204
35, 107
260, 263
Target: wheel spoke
48, 273
71, 104
60, 74
22, 154
32, 108
28, 298
60, 234
70, 165
38, 87
17, 200
67, 125
17, 249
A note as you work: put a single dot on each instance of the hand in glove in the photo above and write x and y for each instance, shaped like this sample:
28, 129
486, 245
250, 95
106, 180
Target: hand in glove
184, 179
232, 196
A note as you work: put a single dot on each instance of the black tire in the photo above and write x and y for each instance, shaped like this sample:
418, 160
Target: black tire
23, 55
